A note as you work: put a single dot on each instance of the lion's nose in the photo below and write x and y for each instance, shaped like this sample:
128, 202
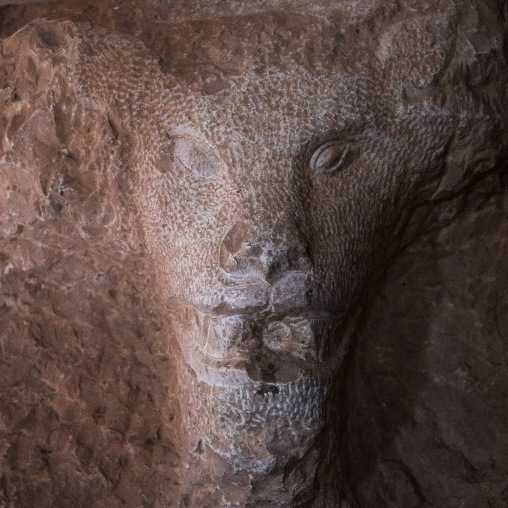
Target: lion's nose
231, 245
242, 254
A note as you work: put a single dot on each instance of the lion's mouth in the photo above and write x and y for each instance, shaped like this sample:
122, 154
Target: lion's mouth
253, 329
262, 345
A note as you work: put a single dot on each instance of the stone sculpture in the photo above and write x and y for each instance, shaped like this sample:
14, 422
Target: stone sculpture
269, 199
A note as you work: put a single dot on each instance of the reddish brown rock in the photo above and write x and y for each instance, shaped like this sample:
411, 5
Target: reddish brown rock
427, 408
198, 202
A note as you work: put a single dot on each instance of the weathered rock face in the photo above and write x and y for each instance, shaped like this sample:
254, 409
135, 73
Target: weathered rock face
88, 385
222, 212
426, 405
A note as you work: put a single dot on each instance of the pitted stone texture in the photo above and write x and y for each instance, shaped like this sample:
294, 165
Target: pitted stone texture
266, 167
88, 408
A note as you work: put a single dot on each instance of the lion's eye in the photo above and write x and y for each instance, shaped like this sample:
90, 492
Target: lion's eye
331, 156
197, 157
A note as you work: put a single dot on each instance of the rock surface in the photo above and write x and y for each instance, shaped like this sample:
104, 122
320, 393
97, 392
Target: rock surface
427, 405
198, 206
88, 408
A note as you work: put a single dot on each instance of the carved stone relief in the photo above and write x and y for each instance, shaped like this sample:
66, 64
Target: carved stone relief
250, 187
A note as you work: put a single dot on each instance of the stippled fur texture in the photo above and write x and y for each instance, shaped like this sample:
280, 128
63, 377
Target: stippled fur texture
269, 202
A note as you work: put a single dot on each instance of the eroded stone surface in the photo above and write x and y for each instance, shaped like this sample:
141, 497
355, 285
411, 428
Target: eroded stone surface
249, 179
428, 427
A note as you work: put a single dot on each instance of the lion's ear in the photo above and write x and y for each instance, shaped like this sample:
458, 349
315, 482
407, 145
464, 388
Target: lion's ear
415, 53
477, 147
